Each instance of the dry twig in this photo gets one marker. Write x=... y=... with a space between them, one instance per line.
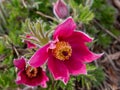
x=106 y=30
x=46 y=16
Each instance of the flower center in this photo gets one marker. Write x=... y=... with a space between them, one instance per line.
x=31 y=72
x=62 y=51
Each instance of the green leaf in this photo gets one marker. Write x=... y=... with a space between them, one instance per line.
x=104 y=40
x=85 y=15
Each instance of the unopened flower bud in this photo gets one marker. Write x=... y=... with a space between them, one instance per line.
x=60 y=9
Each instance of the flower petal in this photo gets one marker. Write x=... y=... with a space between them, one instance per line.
x=44 y=79
x=20 y=63
x=30 y=45
x=58 y=69
x=79 y=37
x=75 y=66
x=84 y=53
x=21 y=77
x=39 y=56
x=65 y=29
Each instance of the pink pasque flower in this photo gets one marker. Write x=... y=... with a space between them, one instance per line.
x=67 y=53
x=29 y=44
x=28 y=75
x=60 y=9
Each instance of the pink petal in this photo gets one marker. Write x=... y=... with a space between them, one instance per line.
x=65 y=29
x=58 y=69
x=20 y=63
x=84 y=53
x=79 y=37
x=75 y=66
x=21 y=77
x=53 y=43
x=39 y=57
x=44 y=79
x=30 y=45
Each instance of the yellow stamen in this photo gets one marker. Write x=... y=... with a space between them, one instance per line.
x=62 y=51
x=31 y=72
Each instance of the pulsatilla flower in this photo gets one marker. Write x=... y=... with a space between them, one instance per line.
x=28 y=75
x=67 y=53
x=30 y=45
x=60 y=9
